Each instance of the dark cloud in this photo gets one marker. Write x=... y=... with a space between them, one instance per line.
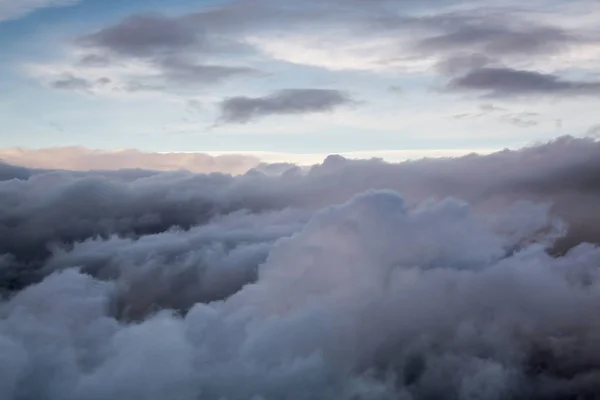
x=288 y=101
x=83 y=159
x=103 y=81
x=8 y=171
x=478 y=37
x=503 y=82
x=145 y=35
x=190 y=49
x=174 y=46
x=324 y=283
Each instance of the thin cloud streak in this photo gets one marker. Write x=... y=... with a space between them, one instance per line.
x=288 y=101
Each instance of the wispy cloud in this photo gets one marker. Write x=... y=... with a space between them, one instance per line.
x=499 y=82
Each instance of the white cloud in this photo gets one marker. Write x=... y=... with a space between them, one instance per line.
x=339 y=52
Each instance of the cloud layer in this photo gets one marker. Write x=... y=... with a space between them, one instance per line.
x=326 y=283
x=82 y=159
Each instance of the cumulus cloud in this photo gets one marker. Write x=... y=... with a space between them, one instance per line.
x=184 y=72
x=495 y=36
x=288 y=101
x=475 y=282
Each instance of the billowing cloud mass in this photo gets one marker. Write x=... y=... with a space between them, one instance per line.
x=288 y=101
x=466 y=278
x=82 y=159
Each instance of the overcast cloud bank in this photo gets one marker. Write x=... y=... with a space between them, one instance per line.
x=82 y=159
x=462 y=278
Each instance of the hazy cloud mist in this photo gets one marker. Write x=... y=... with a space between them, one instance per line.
x=465 y=278
x=82 y=159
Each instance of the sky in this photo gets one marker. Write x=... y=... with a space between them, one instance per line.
x=310 y=77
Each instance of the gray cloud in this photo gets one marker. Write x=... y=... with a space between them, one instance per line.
x=316 y=284
x=174 y=46
x=184 y=72
x=288 y=101
x=72 y=83
x=501 y=82
x=145 y=35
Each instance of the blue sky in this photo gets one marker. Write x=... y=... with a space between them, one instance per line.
x=298 y=77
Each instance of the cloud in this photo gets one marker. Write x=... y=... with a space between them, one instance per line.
x=148 y=52
x=594 y=130
x=497 y=38
x=186 y=73
x=503 y=82
x=13 y=9
x=145 y=35
x=368 y=299
x=521 y=120
x=82 y=159
x=396 y=89
x=288 y=101
x=460 y=64
x=324 y=283
x=94 y=60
